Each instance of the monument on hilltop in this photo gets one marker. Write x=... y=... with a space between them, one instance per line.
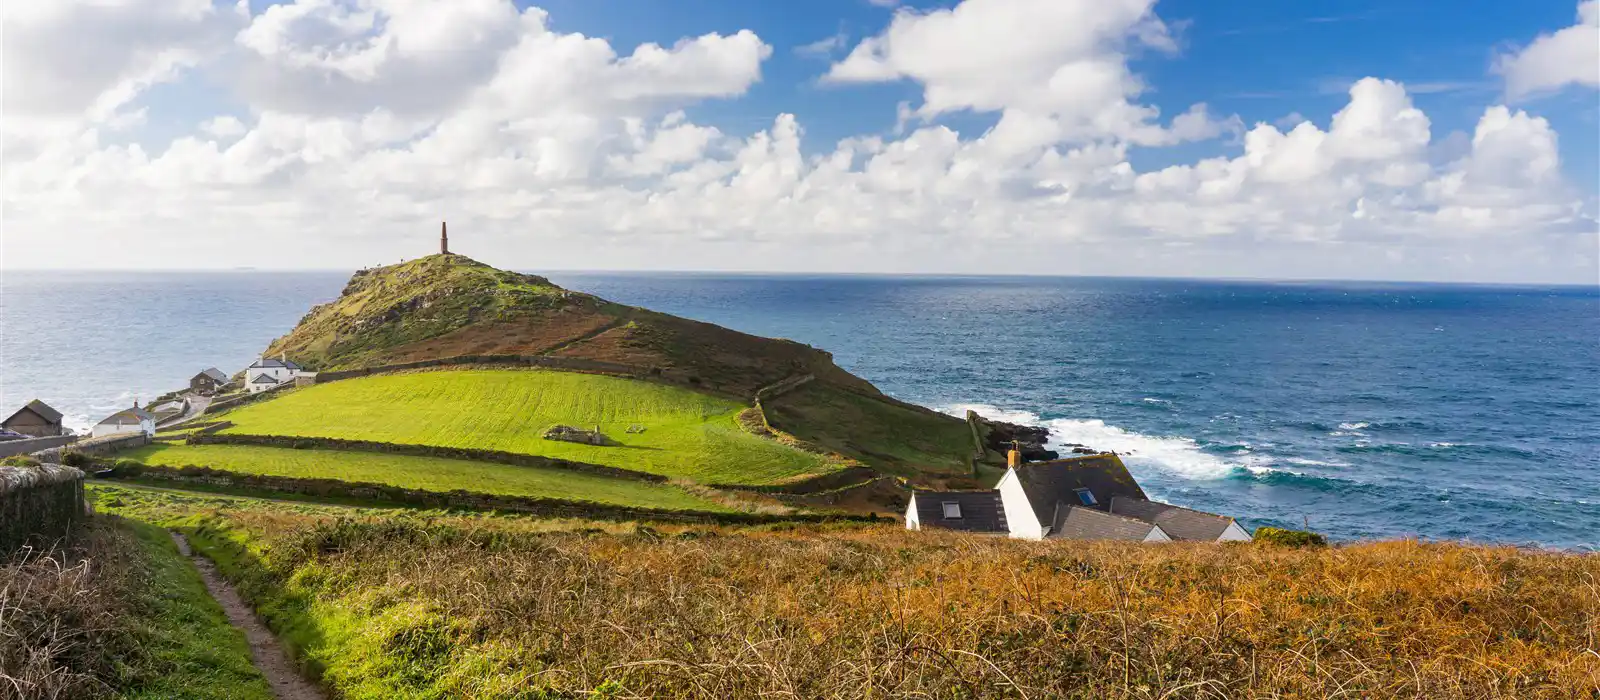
x=444 y=239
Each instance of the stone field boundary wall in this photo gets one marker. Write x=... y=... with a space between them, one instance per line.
x=462 y=453
x=31 y=445
x=465 y=500
x=39 y=505
x=570 y=364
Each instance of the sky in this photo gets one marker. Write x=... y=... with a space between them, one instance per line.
x=1420 y=140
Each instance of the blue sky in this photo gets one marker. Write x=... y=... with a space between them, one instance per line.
x=1249 y=62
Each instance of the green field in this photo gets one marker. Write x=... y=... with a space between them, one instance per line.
x=687 y=434
x=423 y=473
x=895 y=438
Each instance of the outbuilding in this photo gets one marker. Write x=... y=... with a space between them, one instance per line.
x=36 y=419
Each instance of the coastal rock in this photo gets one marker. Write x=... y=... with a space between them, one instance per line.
x=1030 y=439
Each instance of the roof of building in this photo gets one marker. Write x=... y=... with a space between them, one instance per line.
x=1056 y=481
x=215 y=374
x=39 y=408
x=128 y=416
x=273 y=363
x=264 y=379
x=1080 y=523
x=981 y=511
x=1181 y=523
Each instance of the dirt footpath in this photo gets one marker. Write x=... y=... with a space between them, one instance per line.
x=268 y=655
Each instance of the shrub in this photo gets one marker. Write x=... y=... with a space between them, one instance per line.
x=19 y=461
x=77 y=459
x=127 y=468
x=1289 y=538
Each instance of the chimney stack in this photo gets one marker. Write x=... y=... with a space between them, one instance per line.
x=1014 y=456
x=444 y=239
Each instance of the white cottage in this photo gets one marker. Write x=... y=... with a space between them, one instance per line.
x=125 y=422
x=269 y=372
x=1091 y=497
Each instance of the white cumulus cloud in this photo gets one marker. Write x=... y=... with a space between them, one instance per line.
x=1570 y=56
x=353 y=123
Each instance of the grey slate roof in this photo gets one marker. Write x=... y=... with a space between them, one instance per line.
x=42 y=409
x=263 y=379
x=1056 y=481
x=1181 y=523
x=980 y=510
x=273 y=362
x=1080 y=523
x=216 y=375
x=128 y=416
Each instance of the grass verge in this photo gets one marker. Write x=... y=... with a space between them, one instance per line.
x=686 y=434
x=423 y=473
x=119 y=613
x=415 y=607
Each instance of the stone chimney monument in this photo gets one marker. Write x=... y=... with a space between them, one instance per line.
x=444 y=239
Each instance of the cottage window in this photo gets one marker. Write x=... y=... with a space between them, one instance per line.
x=1086 y=496
x=952 y=511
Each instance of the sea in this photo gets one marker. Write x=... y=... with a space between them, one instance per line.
x=1361 y=410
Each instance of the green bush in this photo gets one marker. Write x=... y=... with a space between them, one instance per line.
x=127 y=468
x=1289 y=538
x=77 y=459
x=19 y=461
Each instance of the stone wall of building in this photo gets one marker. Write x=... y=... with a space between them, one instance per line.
x=39 y=505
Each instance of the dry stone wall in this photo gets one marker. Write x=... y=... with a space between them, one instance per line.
x=39 y=505
x=32 y=445
x=545 y=507
x=513 y=458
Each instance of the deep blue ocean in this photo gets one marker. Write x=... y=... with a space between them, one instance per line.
x=1364 y=410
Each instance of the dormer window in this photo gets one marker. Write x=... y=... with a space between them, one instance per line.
x=952 y=510
x=1086 y=496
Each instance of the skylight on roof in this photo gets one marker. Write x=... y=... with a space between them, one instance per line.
x=1086 y=496
x=952 y=510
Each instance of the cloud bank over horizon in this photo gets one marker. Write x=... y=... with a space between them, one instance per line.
x=337 y=133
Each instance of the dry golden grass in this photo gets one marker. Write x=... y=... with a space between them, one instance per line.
x=487 y=607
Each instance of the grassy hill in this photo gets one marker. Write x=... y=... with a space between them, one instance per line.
x=687 y=435
x=399 y=605
x=445 y=306
x=424 y=473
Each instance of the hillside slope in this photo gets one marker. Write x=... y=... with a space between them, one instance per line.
x=447 y=305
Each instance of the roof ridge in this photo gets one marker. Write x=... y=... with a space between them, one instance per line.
x=1173 y=506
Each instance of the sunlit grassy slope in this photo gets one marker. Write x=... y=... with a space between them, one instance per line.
x=877 y=611
x=423 y=473
x=687 y=434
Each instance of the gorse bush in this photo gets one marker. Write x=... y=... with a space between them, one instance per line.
x=1289 y=538
x=19 y=461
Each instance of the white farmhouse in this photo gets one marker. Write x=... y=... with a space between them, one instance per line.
x=270 y=372
x=126 y=421
x=1091 y=497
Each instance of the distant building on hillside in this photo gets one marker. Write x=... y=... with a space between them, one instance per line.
x=36 y=419
x=270 y=372
x=208 y=381
x=1092 y=497
x=126 y=421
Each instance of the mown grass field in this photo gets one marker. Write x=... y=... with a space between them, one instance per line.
x=422 y=606
x=687 y=435
x=118 y=614
x=423 y=473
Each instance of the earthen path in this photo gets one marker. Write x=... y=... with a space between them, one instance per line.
x=268 y=655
